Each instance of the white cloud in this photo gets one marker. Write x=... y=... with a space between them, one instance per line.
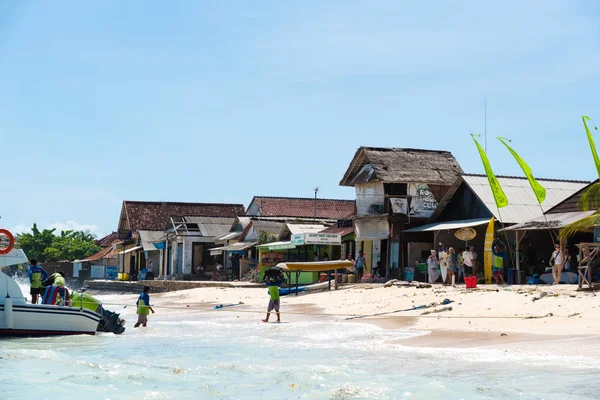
x=72 y=226
x=21 y=228
x=59 y=226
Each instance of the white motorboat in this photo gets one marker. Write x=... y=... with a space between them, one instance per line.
x=19 y=318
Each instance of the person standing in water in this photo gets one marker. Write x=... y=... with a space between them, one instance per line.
x=144 y=308
x=273 y=284
x=37 y=275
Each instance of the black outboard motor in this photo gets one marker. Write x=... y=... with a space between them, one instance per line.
x=110 y=322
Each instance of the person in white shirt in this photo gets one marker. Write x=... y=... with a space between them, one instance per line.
x=468 y=261
x=557 y=261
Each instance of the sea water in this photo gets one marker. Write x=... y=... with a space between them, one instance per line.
x=218 y=356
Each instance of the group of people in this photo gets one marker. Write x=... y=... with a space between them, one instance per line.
x=39 y=280
x=464 y=264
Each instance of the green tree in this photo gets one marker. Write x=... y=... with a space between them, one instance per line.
x=266 y=237
x=34 y=244
x=47 y=246
x=71 y=246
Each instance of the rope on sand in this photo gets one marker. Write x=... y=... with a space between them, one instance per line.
x=349 y=316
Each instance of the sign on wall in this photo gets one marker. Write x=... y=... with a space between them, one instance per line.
x=97 y=272
x=316 y=238
x=422 y=203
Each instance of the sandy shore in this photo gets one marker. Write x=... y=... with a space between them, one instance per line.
x=484 y=317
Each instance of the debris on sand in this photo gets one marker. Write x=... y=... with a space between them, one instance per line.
x=439 y=310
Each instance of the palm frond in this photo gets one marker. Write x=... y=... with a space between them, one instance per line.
x=584 y=224
x=590 y=198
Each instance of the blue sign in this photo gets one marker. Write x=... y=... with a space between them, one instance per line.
x=597 y=234
x=112 y=272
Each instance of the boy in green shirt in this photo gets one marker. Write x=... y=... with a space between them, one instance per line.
x=273 y=283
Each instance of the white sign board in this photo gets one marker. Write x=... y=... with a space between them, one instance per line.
x=317 y=238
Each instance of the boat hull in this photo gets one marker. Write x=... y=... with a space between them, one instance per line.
x=48 y=320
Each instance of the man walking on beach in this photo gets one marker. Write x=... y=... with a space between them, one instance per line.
x=37 y=275
x=273 y=283
x=144 y=308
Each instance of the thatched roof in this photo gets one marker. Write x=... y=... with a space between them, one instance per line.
x=393 y=165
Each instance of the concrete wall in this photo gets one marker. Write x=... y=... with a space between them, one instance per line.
x=369 y=198
x=187 y=254
x=252 y=210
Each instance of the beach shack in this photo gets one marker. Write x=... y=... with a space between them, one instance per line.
x=299 y=243
x=469 y=204
x=395 y=189
x=141 y=223
x=535 y=239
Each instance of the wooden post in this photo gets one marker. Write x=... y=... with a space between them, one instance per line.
x=579 y=266
x=335 y=283
x=517 y=242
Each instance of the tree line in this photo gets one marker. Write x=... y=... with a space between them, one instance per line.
x=47 y=245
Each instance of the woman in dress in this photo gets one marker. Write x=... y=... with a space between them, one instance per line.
x=432 y=264
x=453 y=261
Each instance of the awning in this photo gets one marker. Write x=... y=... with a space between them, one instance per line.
x=130 y=250
x=229 y=236
x=296 y=229
x=215 y=251
x=549 y=221
x=449 y=226
x=372 y=228
x=278 y=246
x=148 y=239
x=239 y=246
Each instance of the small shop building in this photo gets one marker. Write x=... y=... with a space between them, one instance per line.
x=469 y=204
x=395 y=189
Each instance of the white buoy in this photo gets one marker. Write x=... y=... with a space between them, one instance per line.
x=8 y=313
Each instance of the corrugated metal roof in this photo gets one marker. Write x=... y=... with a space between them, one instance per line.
x=211 y=226
x=148 y=239
x=522 y=204
x=549 y=221
x=302 y=228
x=442 y=226
x=229 y=236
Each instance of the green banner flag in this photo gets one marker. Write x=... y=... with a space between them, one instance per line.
x=539 y=191
x=592 y=145
x=499 y=196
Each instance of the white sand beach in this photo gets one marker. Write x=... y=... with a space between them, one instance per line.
x=486 y=316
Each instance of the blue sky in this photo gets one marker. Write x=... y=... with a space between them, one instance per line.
x=219 y=101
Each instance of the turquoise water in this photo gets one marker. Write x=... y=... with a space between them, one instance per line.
x=210 y=356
